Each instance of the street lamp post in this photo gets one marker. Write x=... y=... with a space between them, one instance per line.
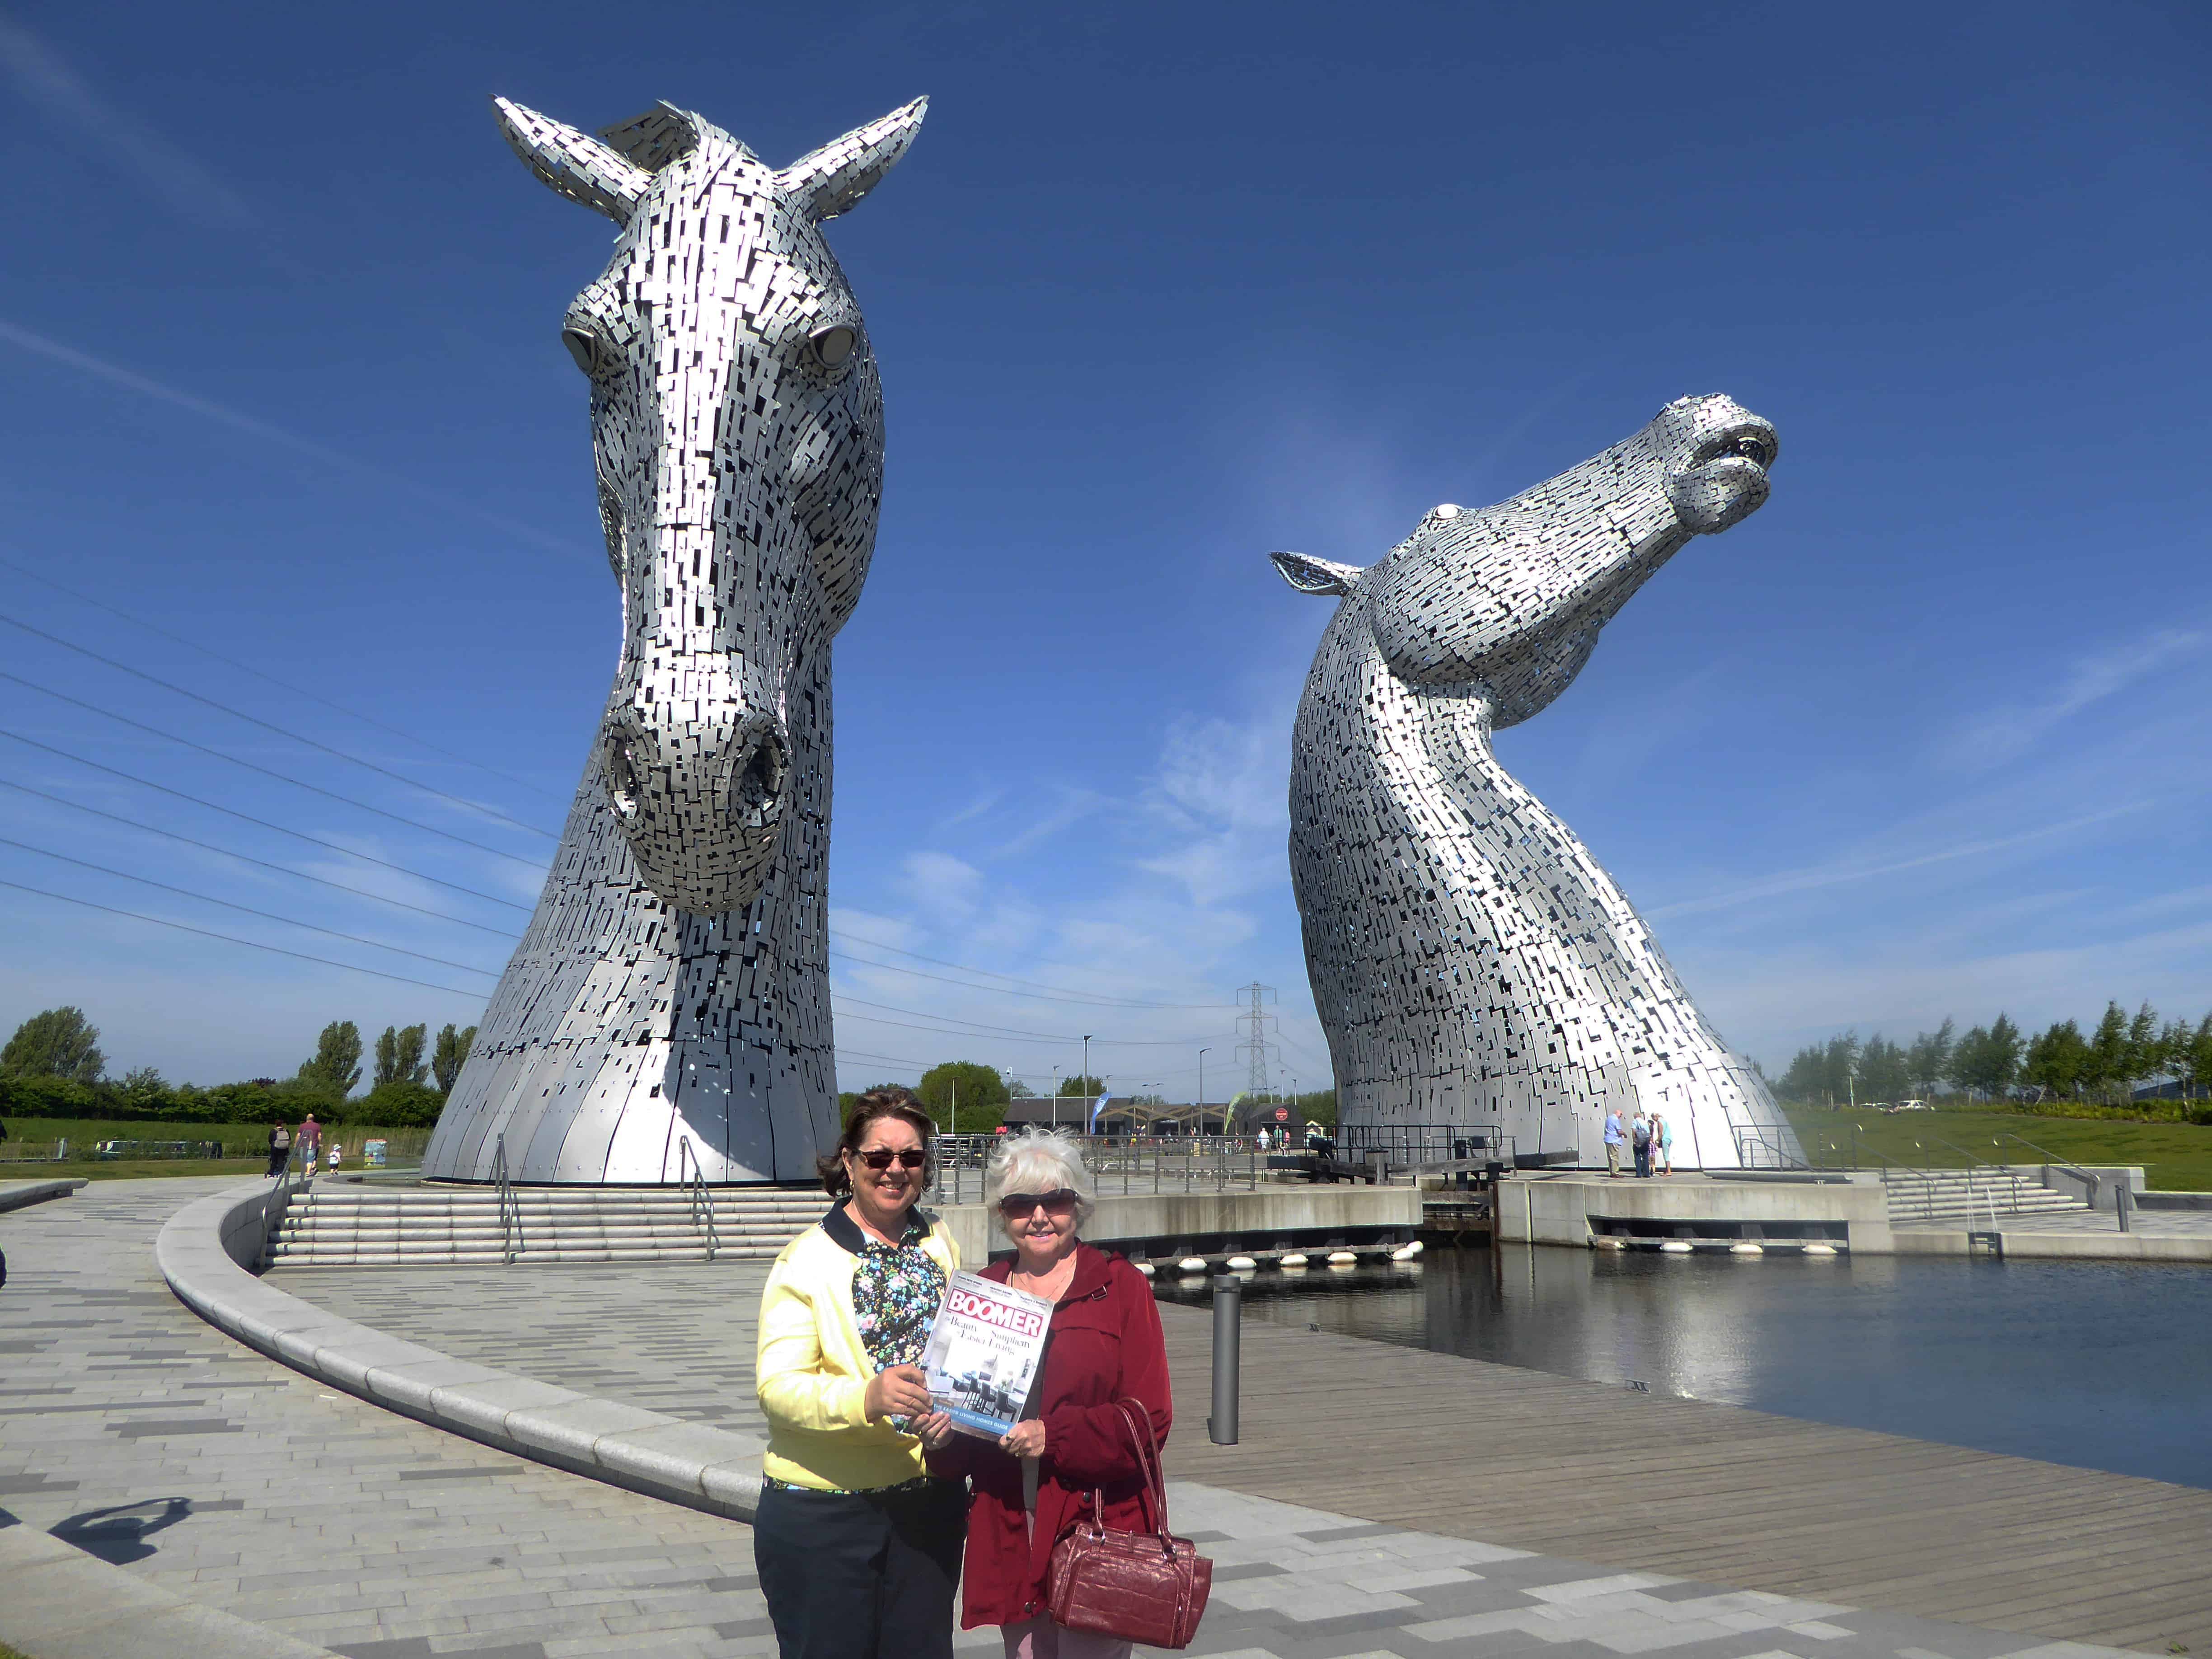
x=1200 y=1124
x=1086 y=1078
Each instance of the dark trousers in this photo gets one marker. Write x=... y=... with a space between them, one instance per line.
x=1643 y=1157
x=861 y=1575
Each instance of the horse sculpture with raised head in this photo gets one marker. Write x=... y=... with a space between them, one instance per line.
x=672 y=986
x=1471 y=962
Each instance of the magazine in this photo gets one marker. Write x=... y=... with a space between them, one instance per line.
x=983 y=1353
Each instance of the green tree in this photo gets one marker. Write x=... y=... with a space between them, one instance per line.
x=977 y=1089
x=1929 y=1058
x=145 y=1089
x=2146 y=1055
x=398 y=1104
x=2195 y=1061
x=59 y=1042
x=450 y=1055
x=1884 y=1072
x=336 y=1064
x=2055 y=1060
x=2107 y=1066
x=1987 y=1059
x=1084 y=1086
x=399 y=1055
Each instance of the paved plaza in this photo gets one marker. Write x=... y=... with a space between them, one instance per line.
x=133 y=1429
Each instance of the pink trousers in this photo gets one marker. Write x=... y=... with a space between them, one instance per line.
x=1040 y=1639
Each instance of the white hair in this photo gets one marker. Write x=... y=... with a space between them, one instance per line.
x=1040 y=1161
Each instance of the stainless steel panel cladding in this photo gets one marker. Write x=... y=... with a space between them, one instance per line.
x=673 y=983
x=1471 y=962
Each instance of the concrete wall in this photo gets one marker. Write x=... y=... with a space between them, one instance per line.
x=1285 y=1211
x=2110 y=1179
x=1558 y=1209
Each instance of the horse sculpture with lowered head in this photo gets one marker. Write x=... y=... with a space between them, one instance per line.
x=673 y=986
x=1471 y=962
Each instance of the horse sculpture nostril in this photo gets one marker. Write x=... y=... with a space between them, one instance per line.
x=760 y=782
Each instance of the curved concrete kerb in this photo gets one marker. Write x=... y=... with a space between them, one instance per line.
x=202 y=1252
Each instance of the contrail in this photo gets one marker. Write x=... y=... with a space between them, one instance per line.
x=130 y=381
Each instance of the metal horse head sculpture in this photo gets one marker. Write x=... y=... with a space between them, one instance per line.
x=1471 y=962
x=672 y=986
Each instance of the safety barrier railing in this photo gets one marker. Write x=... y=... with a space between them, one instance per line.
x=510 y=1207
x=278 y=1199
x=702 y=1199
x=1120 y=1164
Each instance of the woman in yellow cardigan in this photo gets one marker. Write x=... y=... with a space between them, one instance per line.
x=857 y=1545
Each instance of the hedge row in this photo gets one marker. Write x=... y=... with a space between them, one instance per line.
x=396 y=1105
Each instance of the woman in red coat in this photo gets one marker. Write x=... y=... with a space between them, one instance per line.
x=1105 y=1345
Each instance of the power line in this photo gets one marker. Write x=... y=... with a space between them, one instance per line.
x=846 y=954
x=244 y=909
x=991 y=973
x=252 y=944
x=996 y=1031
x=244 y=858
x=281 y=731
x=281 y=685
x=297 y=783
x=247 y=818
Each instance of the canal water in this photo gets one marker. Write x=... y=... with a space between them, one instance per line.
x=2105 y=1366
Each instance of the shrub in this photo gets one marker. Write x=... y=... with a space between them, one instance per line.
x=398 y=1104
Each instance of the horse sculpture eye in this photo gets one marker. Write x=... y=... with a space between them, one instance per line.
x=833 y=344
x=1753 y=449
x=584 y=346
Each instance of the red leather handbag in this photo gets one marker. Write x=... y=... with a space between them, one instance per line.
x=1143 y=1587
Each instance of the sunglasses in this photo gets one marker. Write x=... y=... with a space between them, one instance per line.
x=882 y=1158
x=1016 y=1206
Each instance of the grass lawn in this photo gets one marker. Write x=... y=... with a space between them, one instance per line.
x=245 y=1148
x=2175 y=1157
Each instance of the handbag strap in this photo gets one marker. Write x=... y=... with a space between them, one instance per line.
x=1138 y=1422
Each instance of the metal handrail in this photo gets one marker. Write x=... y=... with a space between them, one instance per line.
x=277 y=1200
x=702 y=1200
x=2096 y=1184
x=510 y=1207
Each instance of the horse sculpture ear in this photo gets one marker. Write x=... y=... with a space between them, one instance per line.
x=833 y=179
x=1317 y=576
x=574 y=164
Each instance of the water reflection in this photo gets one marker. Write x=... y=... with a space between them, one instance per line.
x=2098 y=1364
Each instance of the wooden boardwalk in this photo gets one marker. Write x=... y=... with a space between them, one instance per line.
x=1470 y=1450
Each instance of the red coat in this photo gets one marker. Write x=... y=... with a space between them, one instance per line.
x=1105 y=1345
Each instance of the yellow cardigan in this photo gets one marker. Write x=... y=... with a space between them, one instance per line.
x=811 y=1371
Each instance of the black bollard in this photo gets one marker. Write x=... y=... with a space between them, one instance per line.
x=1228 y=1335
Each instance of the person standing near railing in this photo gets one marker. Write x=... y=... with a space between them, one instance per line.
x=280 y=1149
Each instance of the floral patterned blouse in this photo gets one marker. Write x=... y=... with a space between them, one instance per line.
x=896 y=1291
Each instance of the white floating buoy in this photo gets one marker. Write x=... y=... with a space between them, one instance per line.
x=1242 y=1264
x=1677 y=1247
x=1608 y=1242
x=1747 y=1250
x=1406 y=1253
x=1145 y=1269
x=1295 y=1259
x=1819 y=1249
x=1341 y=1258
x=1192 y=1264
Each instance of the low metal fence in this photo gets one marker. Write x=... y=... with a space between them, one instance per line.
x=1120 y=1165
x=1404 y=1146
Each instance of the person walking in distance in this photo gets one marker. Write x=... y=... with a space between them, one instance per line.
x=1639 y=1134
x=311 y=1142
x=1662 y=1145
x=280 y=1148
x=1614 y=1135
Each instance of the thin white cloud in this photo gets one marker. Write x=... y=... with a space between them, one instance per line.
x=82 y=120
x=2001 y=735
x=1834 y=875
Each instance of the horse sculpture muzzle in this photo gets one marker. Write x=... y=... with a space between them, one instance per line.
x=699 y=790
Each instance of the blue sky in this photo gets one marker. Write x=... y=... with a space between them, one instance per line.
x=1158 y=290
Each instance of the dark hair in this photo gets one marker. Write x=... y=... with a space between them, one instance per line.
x=889 y=1101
